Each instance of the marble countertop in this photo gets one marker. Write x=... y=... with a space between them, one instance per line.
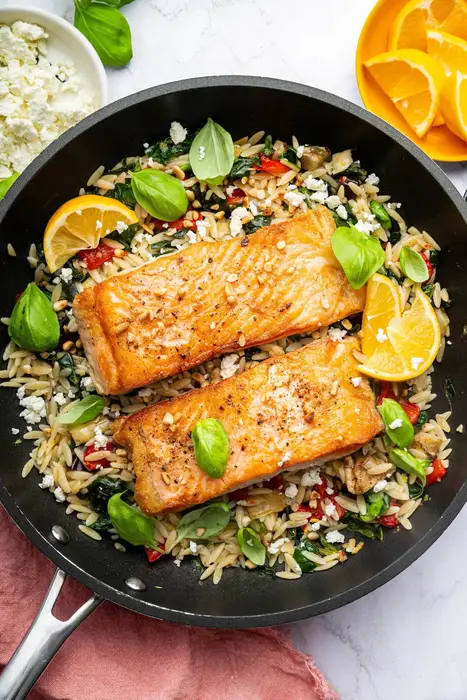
x=405 y=640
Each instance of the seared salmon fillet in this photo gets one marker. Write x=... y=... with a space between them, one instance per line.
x=184 y=309
x=284 y=413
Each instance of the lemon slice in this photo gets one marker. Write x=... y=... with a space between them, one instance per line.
x=80 y=223
x=453 y=102
x=413 y=81
x=407 y=345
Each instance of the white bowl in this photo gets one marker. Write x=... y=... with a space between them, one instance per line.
x=67 y=42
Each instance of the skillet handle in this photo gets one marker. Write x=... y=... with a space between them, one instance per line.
x=43 y=639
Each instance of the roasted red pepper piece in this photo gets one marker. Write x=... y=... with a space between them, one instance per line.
x=95 y=257
x=271 y=166
x=102 y=463
x=387 y=520
x=439 y=471
x=428 y=264
x=153 y=555
x=236 y=197
x=239 y=495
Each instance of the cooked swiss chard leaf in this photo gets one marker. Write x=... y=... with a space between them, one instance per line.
x=416 y=490
x=290 y=154
x=423 y=418
x=355 y=172
x=162 y=248
x=101 y=490
x=268 y=149
x=66 y=361
x=242 y=166
x=164 y=150
x=102 y=524
x=124 y=193
x=369 y=530
x=126 y=237
x=256 y=223
x=304 y=547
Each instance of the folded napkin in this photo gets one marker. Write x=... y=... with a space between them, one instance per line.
x=116 y=654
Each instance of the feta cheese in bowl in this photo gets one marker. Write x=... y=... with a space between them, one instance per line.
x=50 y=78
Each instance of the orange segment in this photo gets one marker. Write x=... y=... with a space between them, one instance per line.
x=448 y=50
x=408 y=344
x=409 y=30
x=454 y=104
x=80 y=223
x=412 y=80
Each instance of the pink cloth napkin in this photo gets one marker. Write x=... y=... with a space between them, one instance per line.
x=116 y=654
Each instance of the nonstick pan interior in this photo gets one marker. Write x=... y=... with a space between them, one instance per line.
x=242 y=105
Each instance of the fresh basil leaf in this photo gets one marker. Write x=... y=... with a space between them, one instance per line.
x=211 y=446
x=66 y=361
x=413 y=265
x=204 y=523
x=397 y=423
x=380 y=213
x=251 y=546
x=101 y=490
x=33 y=323
x=131 y=525
x=301 y=554
x=116 y=3
x=242 y=167
x=107 y=30
x=376 y=504
x=84 y=411
x=410 y=464
x=268 y=149
x=371 y=531
x=359 y=254
x=7 y=183
x=212 y=153
x=256 y=223
x=162 y=195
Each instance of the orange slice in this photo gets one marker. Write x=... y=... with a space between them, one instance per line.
x=413 y=81
x=448 y=50
x=80 y=223
x=453 y=101
x=407 y=345
x=409 y=30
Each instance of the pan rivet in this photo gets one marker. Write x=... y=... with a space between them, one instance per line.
x=60 y=534
x=135 y=583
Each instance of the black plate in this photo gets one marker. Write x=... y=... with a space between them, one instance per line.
x=242 y=105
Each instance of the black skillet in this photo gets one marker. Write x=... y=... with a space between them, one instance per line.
x=242 y=105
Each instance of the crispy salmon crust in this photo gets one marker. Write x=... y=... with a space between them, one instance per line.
x=213 y=297
x=284 y=413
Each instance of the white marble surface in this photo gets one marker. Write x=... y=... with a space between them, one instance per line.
x=407 y=640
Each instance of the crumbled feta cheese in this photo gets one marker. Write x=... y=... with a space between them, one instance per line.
x=331 y=511
x=459 y=429
x=236 y=220
x=177 y=562
x=59 y=495
x=100 y=440
x=145 y=392
x=87 y=383
x=230 y=190
x=372 y=179
x=202 y=153
x=294 y=198
x=341 y=211
x=334 y=536
x=284 y=459
x=396 y=423
x=311 y=477
x=47 y=482
x=316 y=185
x=66 y=274
x=381 y=335
x=416 y=362
x=20 y=392
x=333 y=201
x=15 y=431
x=121 y=226
x=177 y=133
x=253 y=208
x=145 y=145
x=193 y=547
x=34 y=409
x=356 y=381
x=191 y=235
x=336 y=334
x=291 y=491
x=315 y=527
x=319 y=197
x=364 y=227
x=229 y=365
x=275 y=546
x=39 y=97
x=380 y=485
x=98 y=225
x=202 y=226
x=60 y=398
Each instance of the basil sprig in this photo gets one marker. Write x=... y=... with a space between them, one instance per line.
x=33 y=323
x=106 y=29
x=410 y=464
x=376 y=504
x=203 y=523
x=251 y=546
x=84 y=411
x=7 y=183
x=162 y=195
x=131 y=525
x=413 y=265
x=401 y=435
x=212 y=153
x=211 y=446
x=359 y=254
x=381 y=215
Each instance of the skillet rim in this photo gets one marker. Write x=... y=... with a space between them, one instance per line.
x=134 y=603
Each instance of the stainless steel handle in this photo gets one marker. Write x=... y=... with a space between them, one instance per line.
x=42 y=641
